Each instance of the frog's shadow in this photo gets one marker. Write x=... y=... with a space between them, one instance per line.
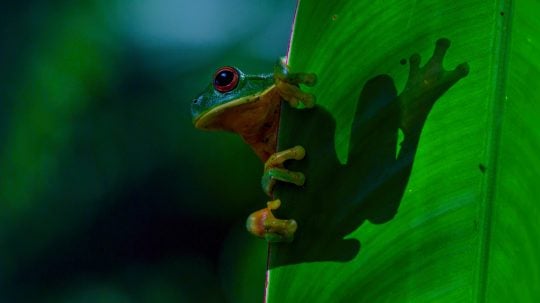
x=337 y=205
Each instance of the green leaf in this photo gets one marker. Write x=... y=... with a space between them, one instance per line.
x=446 y=210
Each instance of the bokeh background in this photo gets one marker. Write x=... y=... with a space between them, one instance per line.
x=107 y=192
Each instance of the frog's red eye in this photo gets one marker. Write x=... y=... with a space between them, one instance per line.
x=226 y=79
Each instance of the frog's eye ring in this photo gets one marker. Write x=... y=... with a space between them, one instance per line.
x=226 y=79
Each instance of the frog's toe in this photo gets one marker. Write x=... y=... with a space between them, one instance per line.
x=309 y=79
x=309 y=100
x=274 y=174
x=293 y=101
x=294 y=95
x=284 y=232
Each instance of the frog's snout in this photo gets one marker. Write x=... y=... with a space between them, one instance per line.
x=196 y=102
x=196 y=108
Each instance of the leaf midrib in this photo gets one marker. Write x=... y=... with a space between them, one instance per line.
x=500 y=46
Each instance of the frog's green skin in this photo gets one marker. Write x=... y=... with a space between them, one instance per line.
x=251 y=109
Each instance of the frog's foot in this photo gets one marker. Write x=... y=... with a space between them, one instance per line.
x=287 y=85
x=275 y=171
x=426 y=84
x=263 y=224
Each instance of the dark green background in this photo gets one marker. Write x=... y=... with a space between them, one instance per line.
x=107 y=193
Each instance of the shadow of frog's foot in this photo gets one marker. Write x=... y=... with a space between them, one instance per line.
x=425 y=85
x=263 y=224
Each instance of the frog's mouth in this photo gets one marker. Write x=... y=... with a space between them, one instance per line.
x=231 y=115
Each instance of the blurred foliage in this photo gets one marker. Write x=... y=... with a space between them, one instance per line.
x=107 y=193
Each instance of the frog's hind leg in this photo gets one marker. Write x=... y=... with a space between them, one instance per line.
x=287 y=84
x=263 y=224
x=274 y=169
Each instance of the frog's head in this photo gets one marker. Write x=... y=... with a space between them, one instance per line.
x=229 y=89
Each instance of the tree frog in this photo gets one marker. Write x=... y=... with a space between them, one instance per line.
x=249 y=105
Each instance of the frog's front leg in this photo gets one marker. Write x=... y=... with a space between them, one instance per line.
x=287 y=85
x=274 y=169
x=263 y=224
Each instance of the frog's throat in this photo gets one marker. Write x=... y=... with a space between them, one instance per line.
x=205 y=119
